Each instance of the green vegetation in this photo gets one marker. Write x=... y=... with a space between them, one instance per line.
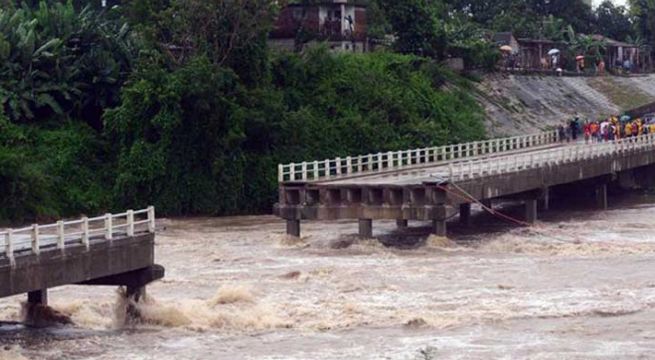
x=181 y=104
x=198 y=130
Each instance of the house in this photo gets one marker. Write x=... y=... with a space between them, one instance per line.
x=340 y=23
x=533 y=53
x=506 y=39
x=617 y=52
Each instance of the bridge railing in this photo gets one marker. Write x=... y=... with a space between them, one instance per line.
x=393 y=160
x=35 y=238
x=462 y=171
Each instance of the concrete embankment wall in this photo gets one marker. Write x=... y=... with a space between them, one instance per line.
x=518 y=104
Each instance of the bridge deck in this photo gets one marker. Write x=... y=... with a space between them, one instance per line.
x=113 y=249
x=432 y=188
x=419 y=174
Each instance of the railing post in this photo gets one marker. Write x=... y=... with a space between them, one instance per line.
x=130 y=222
x=151 y=219
x=9 y=246
x=349 y=165
x=304 y=171
x=85 y=232
x=61 y=237
x=35 y=239
x=109 y=227
x=328 y=172
x=316 y=173
x=338 y=165
x=280 y=173
x=292 y=172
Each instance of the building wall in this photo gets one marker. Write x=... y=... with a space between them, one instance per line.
x=327 y=21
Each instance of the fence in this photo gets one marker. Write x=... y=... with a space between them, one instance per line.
x=480 y=168
x=394 y=160
x=61 y=234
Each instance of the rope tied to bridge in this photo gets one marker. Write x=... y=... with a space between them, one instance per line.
x=466 y=196
x=470 y=198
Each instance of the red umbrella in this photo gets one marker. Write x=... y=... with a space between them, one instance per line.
x=579 y=57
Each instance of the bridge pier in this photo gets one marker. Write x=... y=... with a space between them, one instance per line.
x=465 y=214
x=366 y=228
x=439 y=227
x=39 y=297
x=601 y=196
x=293 y=228
x=531 y=211
x=402 y=224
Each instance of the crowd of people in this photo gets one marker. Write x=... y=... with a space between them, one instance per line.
x=609 y=129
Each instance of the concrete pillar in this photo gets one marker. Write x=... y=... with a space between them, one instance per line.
x=366 y=228
x=531 y=211
x=402 y=224
x=38 y=297
x=601 y=196
x=293 y=228
x=465 y=214
x=439 y=227
x=134 y=295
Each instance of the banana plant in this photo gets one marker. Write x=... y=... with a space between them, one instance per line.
x=56 y=60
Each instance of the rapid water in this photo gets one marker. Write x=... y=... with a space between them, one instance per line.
x=578 y=285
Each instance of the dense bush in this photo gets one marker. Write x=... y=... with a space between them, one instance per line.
x=88 y=124
x=198 y=129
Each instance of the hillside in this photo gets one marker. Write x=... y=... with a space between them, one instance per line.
x=521 y=104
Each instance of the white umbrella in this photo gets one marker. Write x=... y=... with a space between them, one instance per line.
x=553 y=51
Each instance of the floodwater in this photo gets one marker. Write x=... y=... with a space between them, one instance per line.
x=579 y=285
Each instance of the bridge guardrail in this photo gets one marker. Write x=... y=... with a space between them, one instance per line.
x=483 y=167
x=392 y=160
x=74 y=232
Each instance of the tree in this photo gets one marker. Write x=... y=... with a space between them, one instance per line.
x=418 y=26
x=643 y=12
x=55 y=60
x=613 y=21
x=227 y=32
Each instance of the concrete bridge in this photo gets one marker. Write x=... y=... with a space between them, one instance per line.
x=435 y=184
x=113 y=249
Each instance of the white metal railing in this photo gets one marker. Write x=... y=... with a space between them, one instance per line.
x=580 y=152
x=61 y=234
x=352 y=165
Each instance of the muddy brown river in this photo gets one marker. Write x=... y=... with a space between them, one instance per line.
x=578 y=285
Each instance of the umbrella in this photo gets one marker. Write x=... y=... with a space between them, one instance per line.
x=553 y=51
x=579 y=57
x=506 y=48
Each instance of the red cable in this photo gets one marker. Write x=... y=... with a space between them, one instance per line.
x=469 y=197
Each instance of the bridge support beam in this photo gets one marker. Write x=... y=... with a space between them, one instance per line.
x=531 y=211
x=366 y=228
x=38 y=297
x=465 y=214
x=439 y=227
x=293 y=228
x=402 y=224
x=601 y=196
